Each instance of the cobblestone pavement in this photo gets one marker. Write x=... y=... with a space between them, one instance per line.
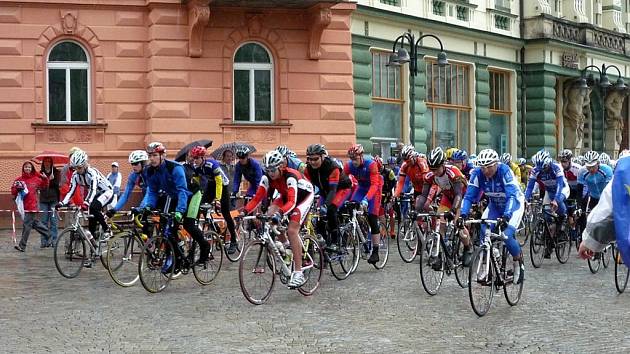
x=564 y=309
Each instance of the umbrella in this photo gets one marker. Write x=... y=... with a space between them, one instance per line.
x=218 y=153
x=181 y=154
x=58 y=158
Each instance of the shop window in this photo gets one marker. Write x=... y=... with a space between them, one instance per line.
x=500 y=111
x=387 y=102
x=253 y=84
x=68 y=79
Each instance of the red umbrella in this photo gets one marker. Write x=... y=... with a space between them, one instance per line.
x=58 y=158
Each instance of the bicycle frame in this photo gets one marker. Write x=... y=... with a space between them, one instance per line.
x=491 y=241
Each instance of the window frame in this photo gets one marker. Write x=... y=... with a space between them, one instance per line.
x=68 y=66
x=398 y=86
x=252 y=67
x=507 y=112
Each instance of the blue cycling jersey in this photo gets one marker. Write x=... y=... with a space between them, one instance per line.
x=552 y=178
x=595 y=182
x=621 y=207
x=134 y=179
x=361 y=173
x=168 y=178
x=502 y=190
x=252 y=172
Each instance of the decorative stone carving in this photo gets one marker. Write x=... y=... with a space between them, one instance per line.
x=320 y=19
x=573 y=114
x=614 y=120
x=198 y=17
x=256 y=135
x=254 y=24
x=68 y=21
x=62 y=136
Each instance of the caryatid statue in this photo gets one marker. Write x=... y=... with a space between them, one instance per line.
x=575 y=100
x=614 y=119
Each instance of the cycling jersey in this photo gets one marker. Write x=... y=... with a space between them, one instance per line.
x=212 y=175
x=169 y=178
x=555 y=183
x=621 y=206
x=525 y=171
x=415 y=171
x=571 y=174
x=134 y=179
x=451 y=183
x=389 y=181
x=252 y=172
x=367 y=176
x=595 y=182
x=517 y=172
x=467 y=168
x=93 y=180
x=296 y=164
x=328 y=178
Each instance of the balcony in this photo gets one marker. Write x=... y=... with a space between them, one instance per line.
x=296 y=4
x=549 y=27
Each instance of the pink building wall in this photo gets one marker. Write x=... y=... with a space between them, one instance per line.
x=162 y=70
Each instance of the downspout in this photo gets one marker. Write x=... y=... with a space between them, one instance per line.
x=523 y=84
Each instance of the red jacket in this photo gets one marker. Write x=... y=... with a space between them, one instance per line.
x=33 y=181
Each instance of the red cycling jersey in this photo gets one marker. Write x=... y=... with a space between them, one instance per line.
x=446 y=182
x=416 y=171
x=291 y=186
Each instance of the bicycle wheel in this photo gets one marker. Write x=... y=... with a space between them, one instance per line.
x=563 y=247
x=522 y=233
x=256 y=272
x=70 y=253
x=205 y=274
x=431 y=268
x=312 y=265
x=538 y=245
x=383 y=251
x=460 y=270
x=481 y=282
x=595 y=263
x=342 y=263
x=156 y=264
x=621 y=272
x=606 y=257
x=511 y=290
x=407 y=241
x=122 y=256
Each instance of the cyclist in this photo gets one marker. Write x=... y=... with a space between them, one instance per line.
x=99 y=192
x=594 y=176
x=290 y=159
x=525 y=170
x=389 y=183
x=604 y=159
x=392 y=165
x=368 y=191
x=334 y=188
x=506 y=202
x=449 y=153
x=415 y=167
x=459 y=159
x=167 y=177
x=138 y=177
x=214 y=185
x=506 y=159
x=248 y=168
x=452 y=183
x=571 y=171
x=294 y=200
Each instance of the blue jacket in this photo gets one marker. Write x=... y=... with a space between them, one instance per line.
x=252 y=172
x=621 y=207
x=169 y=178
x=503 y=191
x=553 y=178
x=595 y=182
x=134 y=178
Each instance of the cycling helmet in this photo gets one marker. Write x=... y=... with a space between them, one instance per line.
x=436 y=157
x=506 y=158
x=565 y=155
x=156 y=147
x=316 y=149
x=591 y=158
x=138 y=156
x=198 y=151
x=283 y=150
x=487 y=157
x=73 y=150
x=459 y=155
x=79 y=158
x=543 y=162
x=355 y=150
x=242 y=151
x=449 y=152
x=406 y=152
x=581 y=160
x=623 y=153
x=521 y=161
x=272 y=160
x=539 y=158
x=379 y=162
x=604 y=159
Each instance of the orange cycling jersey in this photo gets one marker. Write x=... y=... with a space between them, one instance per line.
x=416 y=171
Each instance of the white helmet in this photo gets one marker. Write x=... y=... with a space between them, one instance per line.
x=272 y=160
x=506 y=158
x=604 y=159
x=406 y=152
x=591 y=158
x=79 y=158
x=487 y=157
x=138 y=156
x=541 y=159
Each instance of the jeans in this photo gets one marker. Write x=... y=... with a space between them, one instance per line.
x=49 y=219
x=32 y=222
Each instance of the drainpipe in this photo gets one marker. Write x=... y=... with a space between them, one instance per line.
x=523 y=84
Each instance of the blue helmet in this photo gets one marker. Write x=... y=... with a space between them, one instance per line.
x=391 y=160
x=459 y=155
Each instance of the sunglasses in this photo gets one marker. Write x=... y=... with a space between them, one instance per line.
x=136 y=163
x=315 y=158
x=271 y=170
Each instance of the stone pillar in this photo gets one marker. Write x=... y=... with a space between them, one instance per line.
x=541 y=107
x=421 y=119
x=613 y=104
x=362 y=74
x=482 y=101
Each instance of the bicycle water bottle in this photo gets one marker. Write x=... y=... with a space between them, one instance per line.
x=289 y=256
x=89 y=237
x=496 y=253
x=281 y=248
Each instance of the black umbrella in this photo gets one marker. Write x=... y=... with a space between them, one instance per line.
x=218 y=153
x=181 y=154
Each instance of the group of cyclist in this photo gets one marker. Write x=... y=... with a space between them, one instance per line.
x=289 y=186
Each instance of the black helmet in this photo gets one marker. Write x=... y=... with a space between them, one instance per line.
x=316 y=149
x=436 y=157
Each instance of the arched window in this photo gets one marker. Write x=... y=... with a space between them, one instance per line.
x=253 y=84
x=68 y=78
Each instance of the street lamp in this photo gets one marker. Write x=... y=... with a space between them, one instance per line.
x=401 y=56
x=604 y=84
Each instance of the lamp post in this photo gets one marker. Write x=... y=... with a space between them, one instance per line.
x=400 y=56
x=604 y=84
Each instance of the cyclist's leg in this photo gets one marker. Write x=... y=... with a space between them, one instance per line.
x=296 y=219
x=341 y=197
x=96 y=210
x=511 y=243
x=225 y=210
x=374 y=205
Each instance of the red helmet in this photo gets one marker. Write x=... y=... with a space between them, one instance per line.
x=198 y=151
x=355 y=150
x=379 y=162
x=156 y=147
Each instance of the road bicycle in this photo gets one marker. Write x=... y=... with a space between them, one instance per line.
x=124 y=249
x=409 y=234
x=543 y=242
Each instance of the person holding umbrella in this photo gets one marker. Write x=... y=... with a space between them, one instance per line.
x=48 y=198
x=24 y=190
x=248 y=168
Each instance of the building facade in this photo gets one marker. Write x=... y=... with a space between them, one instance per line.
x=507 y=60
x=111 y=76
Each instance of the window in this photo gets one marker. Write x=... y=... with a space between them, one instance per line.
x=253 y=84
x=462 y=13
x=438 y=8
x=500 y=111
x=387 y=103
x=391 y=2
x=502 y=22
x=68 y=81
x=448 y=105
x=503 y=5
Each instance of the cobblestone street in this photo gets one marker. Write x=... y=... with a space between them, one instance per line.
x=564 y=309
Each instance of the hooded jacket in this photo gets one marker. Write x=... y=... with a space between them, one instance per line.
x=51 y=193
x=33 y=181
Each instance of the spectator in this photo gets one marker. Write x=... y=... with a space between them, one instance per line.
x=24 y=190
x=48 y=198
x=115 y=179
x=227 y=165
